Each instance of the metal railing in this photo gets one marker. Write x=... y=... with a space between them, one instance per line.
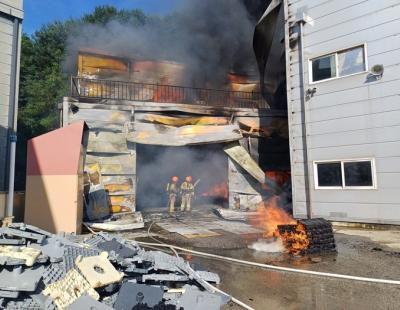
x=121 y=90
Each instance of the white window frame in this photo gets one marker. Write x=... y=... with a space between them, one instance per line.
x=342 y=162
x=336 y=52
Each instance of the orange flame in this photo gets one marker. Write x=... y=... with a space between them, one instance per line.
x=218 y=190
x=296 y=241
x=270 y=216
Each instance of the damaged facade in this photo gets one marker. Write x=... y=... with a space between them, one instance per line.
x=142 y=132
x=336 y=80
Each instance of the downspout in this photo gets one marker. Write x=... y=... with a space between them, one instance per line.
x=304 y=119
x=13 y=103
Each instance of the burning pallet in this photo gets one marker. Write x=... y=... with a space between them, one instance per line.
x=313 y=236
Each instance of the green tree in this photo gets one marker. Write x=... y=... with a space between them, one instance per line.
x=42 y=80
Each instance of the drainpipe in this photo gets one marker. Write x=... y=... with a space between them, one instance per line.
x=13 y=103
x=300 y=23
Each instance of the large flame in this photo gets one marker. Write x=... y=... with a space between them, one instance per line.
x=296 y=241
x=269 y=216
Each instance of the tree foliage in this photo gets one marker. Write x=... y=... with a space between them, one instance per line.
x=42 y=80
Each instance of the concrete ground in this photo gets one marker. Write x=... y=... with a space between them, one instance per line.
x=361 y=252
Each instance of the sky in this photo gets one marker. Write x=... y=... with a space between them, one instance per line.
x=40 y=12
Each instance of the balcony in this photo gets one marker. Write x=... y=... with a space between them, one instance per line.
x=98 y=89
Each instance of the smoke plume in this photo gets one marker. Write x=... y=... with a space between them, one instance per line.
x=211 y=37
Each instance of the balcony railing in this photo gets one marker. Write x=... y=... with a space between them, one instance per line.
x=85 y=88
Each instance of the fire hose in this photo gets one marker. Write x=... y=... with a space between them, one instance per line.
x=174 y=249
x=278 y=268
x=204 y=283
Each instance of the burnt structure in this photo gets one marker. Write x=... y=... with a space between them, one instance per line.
x=144 y=127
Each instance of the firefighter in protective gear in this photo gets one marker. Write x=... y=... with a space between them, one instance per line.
x=172 y=190
x=187 y=194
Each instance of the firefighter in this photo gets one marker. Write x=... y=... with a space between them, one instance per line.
x=172 y=190
x=187 y=193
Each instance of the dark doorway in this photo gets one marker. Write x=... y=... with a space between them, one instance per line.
x=157 y=164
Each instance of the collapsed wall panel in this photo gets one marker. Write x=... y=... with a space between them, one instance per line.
x=109 y=152
x=119 y=128
x=244 y=190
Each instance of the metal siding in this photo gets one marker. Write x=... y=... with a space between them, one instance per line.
x=6 y=28
x=10 y=8
x=350 y=117
x=17 y=4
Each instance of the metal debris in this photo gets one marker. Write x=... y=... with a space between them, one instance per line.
x=105 y=271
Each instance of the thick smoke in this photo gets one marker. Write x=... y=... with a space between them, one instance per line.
x=211 y=37
x=157 y=164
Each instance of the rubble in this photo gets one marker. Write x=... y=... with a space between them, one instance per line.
x=46 y=271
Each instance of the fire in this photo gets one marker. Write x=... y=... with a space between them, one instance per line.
x=296 y=241
x=218 y=190
x=270 y=216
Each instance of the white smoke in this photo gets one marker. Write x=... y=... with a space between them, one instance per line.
x=269 y=246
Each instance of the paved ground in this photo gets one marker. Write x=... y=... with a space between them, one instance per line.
x=367 y=253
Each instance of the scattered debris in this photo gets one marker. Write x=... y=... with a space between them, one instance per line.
x=104 y=271
x=27 y=255
x=234 y=215
x=97 y=207
x=115 y=223
x=132 y=294
x=98 y=270
x=65 y=291
x=87 y=302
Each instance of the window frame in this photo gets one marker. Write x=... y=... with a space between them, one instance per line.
x=342 y=162
x=335 y=53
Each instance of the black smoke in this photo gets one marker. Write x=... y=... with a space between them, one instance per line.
x=211 y=37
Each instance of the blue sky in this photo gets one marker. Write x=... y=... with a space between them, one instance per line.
x=39 y=12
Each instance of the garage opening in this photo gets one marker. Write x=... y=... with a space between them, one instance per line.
x=207 y=164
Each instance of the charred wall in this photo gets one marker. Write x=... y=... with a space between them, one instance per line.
x=263 y=134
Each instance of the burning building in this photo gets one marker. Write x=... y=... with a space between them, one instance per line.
x=204 y=100
x=145 y=128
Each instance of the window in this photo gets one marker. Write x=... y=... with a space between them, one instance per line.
x=324 y=68
x=329 y=174
x=357 y=173
x=338 y=64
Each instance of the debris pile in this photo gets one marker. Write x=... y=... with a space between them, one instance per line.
x=41 y=270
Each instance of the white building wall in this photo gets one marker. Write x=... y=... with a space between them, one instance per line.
x=349 y=117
